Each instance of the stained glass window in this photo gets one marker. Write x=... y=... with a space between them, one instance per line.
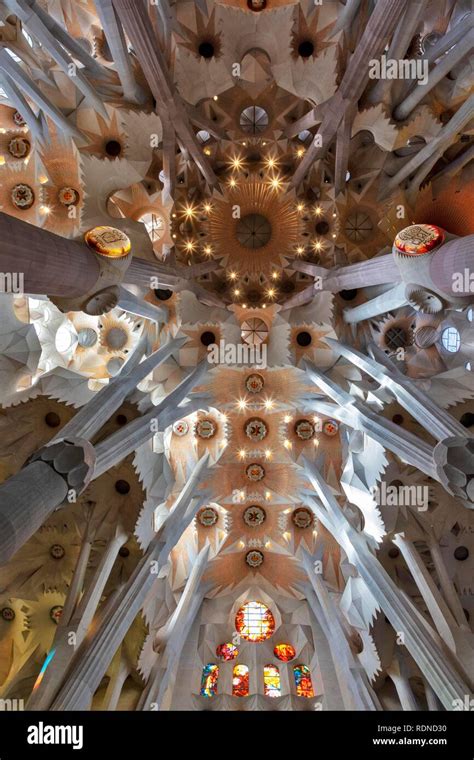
x=284 y=652
x=254 y=621
x=304 y=685
x=240 y=681
x=210 y=674
x=227 y=651
x=271 y=681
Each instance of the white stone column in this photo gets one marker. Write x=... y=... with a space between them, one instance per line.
x=398 y=673
x=170 y=640
x=438 y=665
x=356 y=691
x=88 y=671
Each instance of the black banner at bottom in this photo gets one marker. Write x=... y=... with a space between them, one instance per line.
x=85 y=734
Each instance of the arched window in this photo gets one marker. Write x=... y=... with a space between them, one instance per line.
x=253 y=120
x=271 y=681
x=240 y=681
x=254 y=621
x=304 y=685
x=210 y=674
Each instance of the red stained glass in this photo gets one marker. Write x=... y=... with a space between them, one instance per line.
x=304 y=685
x=240 y=681
x=227 y=651
x=254 y=622
x=284 y=652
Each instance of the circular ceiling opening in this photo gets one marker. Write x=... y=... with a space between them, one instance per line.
x=305 y=49
x=208 y=338
x=163 y=294
x=322 y=228
x=113 y=148
x=52 y=419
x=303 y=339
x=348 y=295
x=253 y=231
x=206 y=49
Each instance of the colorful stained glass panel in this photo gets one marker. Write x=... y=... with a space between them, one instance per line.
x=240 y=681
x=210 y=674
x=304 y=685
x=227 y=651
x=254 y=622
x=271 y=681
x=284 y=652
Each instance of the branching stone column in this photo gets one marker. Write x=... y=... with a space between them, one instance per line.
x=49 y=41
x=439 y=667
x=445 y=65
x=380 y=27
x=435 y=148
x=74 y=624
x=170 y=640
x=120 y=444
x=118 y=47
x=121 y=671
x=398 y=672
x=356 y=691
x=381 y=270
x=450 y=462
x=28 y=8
x=69 y=461
x=93 y=660
x=137 y=24
x=32 y=91
x=438 y=421
x=93 y=415
x=399 y=45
